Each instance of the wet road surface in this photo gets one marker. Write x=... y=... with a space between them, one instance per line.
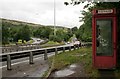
x=26 y=70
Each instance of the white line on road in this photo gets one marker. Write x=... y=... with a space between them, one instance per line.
x=19 y=62
x=25 y=61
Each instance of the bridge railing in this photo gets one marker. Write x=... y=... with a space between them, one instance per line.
x=21 y=47
x=30 y=53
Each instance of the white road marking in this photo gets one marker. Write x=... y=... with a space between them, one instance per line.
x=25 y=61
x=19 y=62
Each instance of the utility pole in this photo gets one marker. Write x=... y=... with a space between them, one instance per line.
x=54 y=18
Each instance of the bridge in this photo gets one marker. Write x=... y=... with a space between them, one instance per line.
x=21 y=47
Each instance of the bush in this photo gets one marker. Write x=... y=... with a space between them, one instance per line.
x=55 y=38
x=19 y=41
x=30 y=41
x=24 y=42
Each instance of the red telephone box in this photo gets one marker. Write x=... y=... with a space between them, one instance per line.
x=104 y=38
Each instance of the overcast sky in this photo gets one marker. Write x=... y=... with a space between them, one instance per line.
x=41 y=12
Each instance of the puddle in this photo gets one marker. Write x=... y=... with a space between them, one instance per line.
x=63 y=73
x=74 y=70
x=73 y=66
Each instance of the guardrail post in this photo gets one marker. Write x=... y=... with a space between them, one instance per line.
x=8 y=62
x=10 y=49
x=63 y=49
x=78 y=46
x=17 y=48
x=39 y=47
x=83 y=45
x=74 y=47
x=45 y=55
x=22 y=48
x=69 y=48
x=31 y=58
x=56 y=52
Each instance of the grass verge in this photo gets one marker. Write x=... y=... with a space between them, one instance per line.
x=82 y=55
x=51 y=44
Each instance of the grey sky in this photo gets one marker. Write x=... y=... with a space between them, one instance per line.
x=41 y=12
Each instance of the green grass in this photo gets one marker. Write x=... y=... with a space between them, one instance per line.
x=66 y=58
x=51 y=44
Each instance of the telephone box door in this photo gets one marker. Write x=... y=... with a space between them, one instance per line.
x=105 y=57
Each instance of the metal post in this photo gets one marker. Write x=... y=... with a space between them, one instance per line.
x=17 y=48
x=81 y=45
x=63 y=49
x=69 y=48
x=56 y=52
x=45 y=55
x=8 y=62
x=78 y=46
x=54 y=18
x=74 y=47
x=10 y=49
x=22 y=48
x=31 y=58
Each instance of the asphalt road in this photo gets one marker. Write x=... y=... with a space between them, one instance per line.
x=25 y=59
x=22 y=68
x=37 y=40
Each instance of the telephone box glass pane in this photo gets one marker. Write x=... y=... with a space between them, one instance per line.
x=104 y=37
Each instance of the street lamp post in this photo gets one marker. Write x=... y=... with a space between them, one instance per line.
x=54 y=18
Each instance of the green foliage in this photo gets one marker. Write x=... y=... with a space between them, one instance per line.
x=30 y=41
x=52 y=42
x=19 y=41
x=13 y=30
x=42 y=32
x=83 y=56
x=54 y=38
x=74 y=29
x=73 y=37
x=61 y=35
x=5 y=35
x=24 y=33
x=24 y=42
x=85 y=31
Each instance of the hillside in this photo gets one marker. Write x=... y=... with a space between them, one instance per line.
x=20 y=23
x=13 y=31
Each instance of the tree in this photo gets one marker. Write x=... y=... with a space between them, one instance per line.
x=13 y=31
x=24 y=34
x=85 y=30
x=61 y=35
x=46 y=32
x=5 y=33
x=54 y=38
x=43 y=32
x=74 y=29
